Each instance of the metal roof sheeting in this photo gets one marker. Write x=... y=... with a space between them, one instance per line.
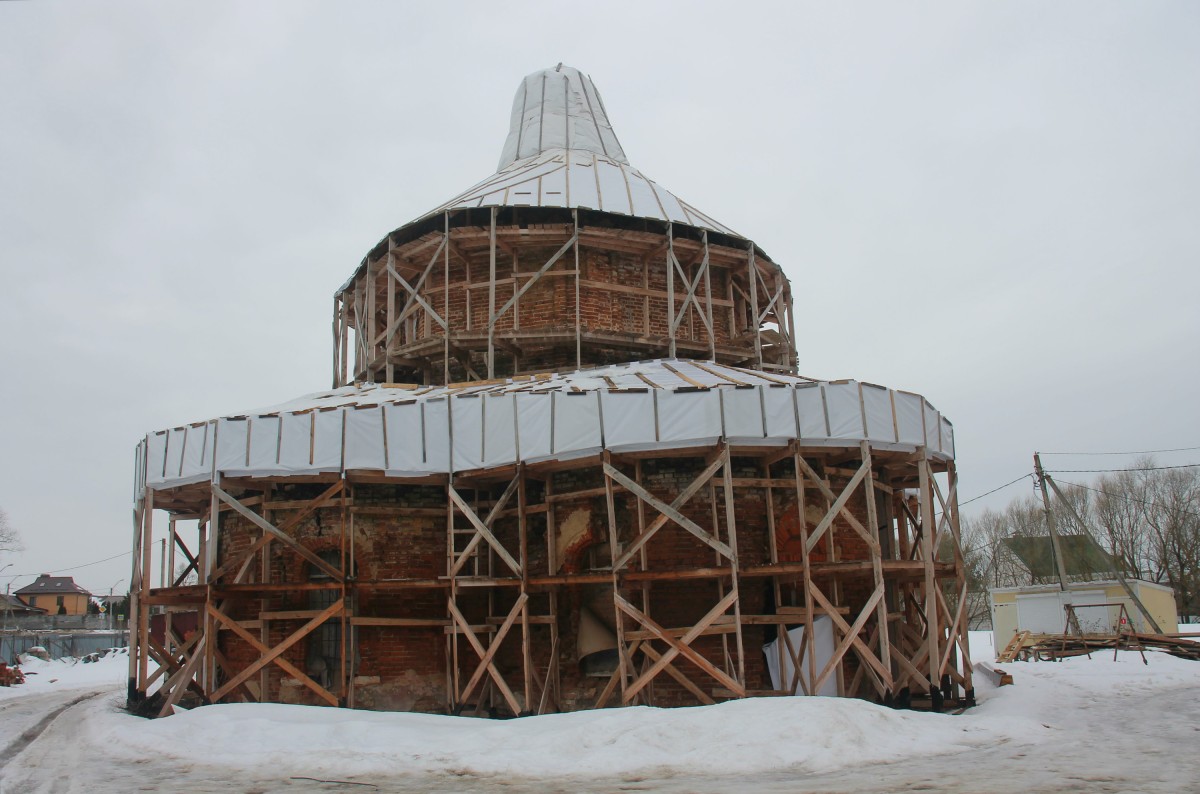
x=561 y=151
x=559 y=109
x=414 y=431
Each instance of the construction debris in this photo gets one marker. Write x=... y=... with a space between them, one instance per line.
x=1054 y=647
x=10 y=675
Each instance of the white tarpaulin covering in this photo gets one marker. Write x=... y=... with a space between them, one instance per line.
x=664 y=404
x=823 y=634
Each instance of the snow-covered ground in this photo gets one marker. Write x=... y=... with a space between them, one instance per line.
x=1083 y=724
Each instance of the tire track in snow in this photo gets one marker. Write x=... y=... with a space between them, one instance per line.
x=30 y=735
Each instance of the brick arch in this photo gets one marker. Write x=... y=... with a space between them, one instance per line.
x=789 y=538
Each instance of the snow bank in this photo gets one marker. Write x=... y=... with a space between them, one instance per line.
x=753 y=736
x=738 y=737
x=70 y=673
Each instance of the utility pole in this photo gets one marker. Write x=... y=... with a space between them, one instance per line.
x=1055 y=543
x=1056 y=546
x=1044 y=478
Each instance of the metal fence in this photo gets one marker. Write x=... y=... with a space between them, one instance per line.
x=60 y=643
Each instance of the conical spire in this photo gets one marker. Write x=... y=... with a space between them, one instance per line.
x=559 y=108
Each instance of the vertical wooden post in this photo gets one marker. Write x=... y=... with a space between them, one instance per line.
x=552 y=569
x=526 y=639
x=671 y=289
x=134 y=691
x=390 y=328
x=209 y=647
x=491 y=346
x=344 y=357
x=144 y=611
x=337 y=364
x=624 y=662
x=264 y=631
x=731 y=530
x=446 y=306
x=809 y=609
x=344 y=568
x=708 y=304
x=578 y=308
x=453 y=596
x=773 y=551
x=964 y=635
x=928 y=552
x=881 y=611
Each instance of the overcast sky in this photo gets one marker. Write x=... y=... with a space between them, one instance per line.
x=995 y=205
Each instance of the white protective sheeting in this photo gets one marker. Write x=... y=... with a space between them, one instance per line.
x=418 y=431
x=823 y=634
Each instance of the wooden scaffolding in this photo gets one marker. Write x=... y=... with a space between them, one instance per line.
x=779 y=538
x=441 y=300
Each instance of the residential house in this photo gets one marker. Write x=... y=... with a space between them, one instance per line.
x=58 y=595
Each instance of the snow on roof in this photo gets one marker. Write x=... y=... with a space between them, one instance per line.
x=416 y=431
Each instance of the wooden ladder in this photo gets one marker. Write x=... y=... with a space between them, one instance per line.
x=1013 y=648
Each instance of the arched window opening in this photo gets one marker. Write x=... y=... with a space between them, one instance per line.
x=324 y=660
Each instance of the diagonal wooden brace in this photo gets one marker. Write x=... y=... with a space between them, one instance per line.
x=681 y=646
x=477 y=537
x=668 y=512
x=485 y=664
x=280 y=535
x=839 y=505
x=483 y=530
x=850 y=637
x=275 y=654
x=509 y=697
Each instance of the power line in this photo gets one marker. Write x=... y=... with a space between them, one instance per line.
x=1136 y=452
x=1107 y=471
x=1001 y=488
x=73 y=567
x=1123 y=497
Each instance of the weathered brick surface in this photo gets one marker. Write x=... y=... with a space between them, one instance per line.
x=406 y=668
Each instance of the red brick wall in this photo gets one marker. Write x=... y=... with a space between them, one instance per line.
x=410 y=663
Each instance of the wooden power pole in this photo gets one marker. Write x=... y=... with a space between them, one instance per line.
x=1043 y=479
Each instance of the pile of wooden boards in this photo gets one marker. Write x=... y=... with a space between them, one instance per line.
x=1052 y=647
x=10 y=675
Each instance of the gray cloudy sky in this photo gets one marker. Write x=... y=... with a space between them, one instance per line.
x=996 y=205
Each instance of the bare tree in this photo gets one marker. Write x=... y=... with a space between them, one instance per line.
x=1120 y=511
x=10 y=539
x=1173 y=520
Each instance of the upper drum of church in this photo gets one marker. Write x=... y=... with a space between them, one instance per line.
x=566 y=257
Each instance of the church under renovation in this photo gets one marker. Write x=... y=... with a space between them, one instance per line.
x=565 y=463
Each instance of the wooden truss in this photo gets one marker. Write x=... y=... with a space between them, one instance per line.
x=874 y=552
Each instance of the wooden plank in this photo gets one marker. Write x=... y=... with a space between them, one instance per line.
x=267 y=526
x=485 y=664
x=177 y=684
x=679 y=646
x=275 y=654
x=839 y=503
x=667 y=512
x=482 y=652
x=400 y=622
x=491 y=517
x=483 y=530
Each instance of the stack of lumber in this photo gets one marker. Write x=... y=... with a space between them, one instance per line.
x=1174 y=644
x=1051 y=647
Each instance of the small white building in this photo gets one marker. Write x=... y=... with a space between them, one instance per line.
x=1041 y=608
